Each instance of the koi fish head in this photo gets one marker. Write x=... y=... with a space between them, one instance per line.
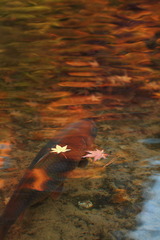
x=88 y=130
x=78 y=137
x=85 y=129
x=89 y=126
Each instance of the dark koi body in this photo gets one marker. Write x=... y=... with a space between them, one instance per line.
x=48 y=171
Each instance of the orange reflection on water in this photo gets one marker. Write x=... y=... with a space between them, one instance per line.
x=1 y=183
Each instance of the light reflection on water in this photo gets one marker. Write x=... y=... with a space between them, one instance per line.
x=148 y=219
x=150 y=140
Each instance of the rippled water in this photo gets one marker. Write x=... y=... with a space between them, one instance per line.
x=66 y=60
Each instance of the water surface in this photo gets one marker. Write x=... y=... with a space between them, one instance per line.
x=66 y=60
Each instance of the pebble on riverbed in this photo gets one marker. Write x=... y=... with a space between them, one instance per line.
x=86 y=204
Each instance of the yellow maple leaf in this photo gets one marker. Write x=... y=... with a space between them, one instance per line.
x=58 y=149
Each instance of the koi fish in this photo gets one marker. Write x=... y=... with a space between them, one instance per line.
x=46 y=174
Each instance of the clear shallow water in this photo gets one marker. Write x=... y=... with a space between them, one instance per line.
x=62 y=61
x=148 y=219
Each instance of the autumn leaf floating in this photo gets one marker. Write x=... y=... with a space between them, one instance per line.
x=96 y=155
x=58 y=149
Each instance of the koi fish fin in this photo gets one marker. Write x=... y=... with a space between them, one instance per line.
x=83 y=163
x=44 y=151
x=17 y=204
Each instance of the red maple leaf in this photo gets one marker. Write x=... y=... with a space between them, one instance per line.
x=96 y=155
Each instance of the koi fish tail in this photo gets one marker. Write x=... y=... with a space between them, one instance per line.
x=4 y=227
x=15 y=207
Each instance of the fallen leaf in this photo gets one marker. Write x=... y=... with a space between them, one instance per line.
x=120 y=196
x=96 y=155
x=58 y=149
x=120 y=79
